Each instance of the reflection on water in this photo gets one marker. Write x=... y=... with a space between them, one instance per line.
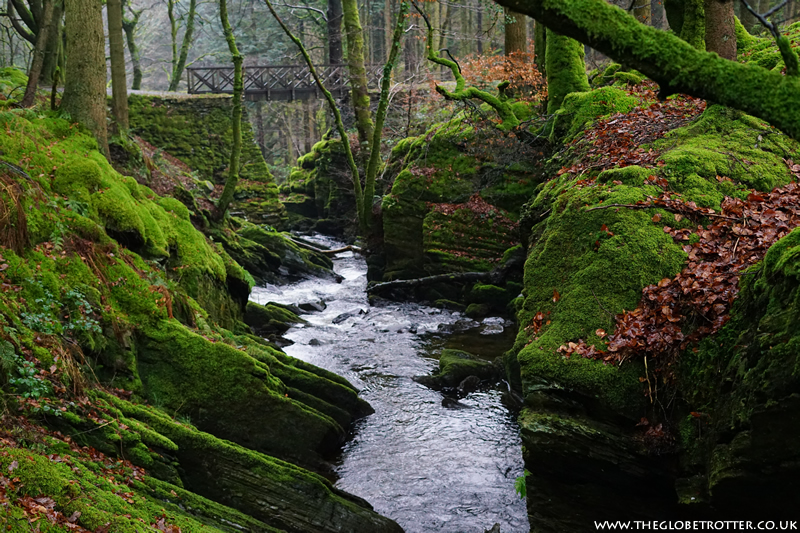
x=430 y=468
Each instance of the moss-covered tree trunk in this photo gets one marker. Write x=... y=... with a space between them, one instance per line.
x=693 y=30
x=236 y=113
x=720 y=28
x=358 y=72
x=85 y=87
x=566 y=70
x=642 y=12
x=179 y=61
x=52 y=49
x=516 y=34
x=380 y=117
x=129 y=25
x=671 y=62
x=37 y=61
x=119 y=83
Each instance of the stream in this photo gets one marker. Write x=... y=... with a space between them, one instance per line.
x=429 y=468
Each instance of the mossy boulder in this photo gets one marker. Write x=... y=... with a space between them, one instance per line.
x=229 y=393
x=270 y=319
x=580 y=108
x=742 y=450
x=320 y=187
x=453 y=204
x=457 y=365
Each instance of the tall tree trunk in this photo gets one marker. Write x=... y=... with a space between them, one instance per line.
x=358 y=72
x=387 y=29
x=129 y=25
x=53 y=44
x=720 y=28
x=236 y=113
x=516 y=34
x=119 y=84
x=179 y=63
x=642 y=12
x=540 y=48
x=566 y=70
x=479 y=24
x=693 y=30
x=38 y=54
x=335 y=53
x=85 y=88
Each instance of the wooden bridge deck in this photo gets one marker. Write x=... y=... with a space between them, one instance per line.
x=277 y=82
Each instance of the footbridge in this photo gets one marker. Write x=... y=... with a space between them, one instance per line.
x=278 y=82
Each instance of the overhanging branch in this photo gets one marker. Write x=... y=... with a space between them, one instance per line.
x=671 y=62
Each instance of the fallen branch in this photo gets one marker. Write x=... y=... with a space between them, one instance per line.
x=420 y=282
x=655 y=206
x=348 y=248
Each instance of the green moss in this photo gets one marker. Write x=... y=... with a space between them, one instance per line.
x=225 y=391
x=566 y=70
x=578 y=109
x=727 y=143
x=456 y=365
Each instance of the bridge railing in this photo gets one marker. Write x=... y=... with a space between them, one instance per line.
x=277 y=82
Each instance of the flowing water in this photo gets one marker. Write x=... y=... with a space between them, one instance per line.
x=430 y=468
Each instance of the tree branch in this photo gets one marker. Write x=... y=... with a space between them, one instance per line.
x=462 y=92
x=785 y=47
x=671 y=62
x=320 y=12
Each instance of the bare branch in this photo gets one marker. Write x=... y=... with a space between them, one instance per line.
x=308 y=8
x=785 y=47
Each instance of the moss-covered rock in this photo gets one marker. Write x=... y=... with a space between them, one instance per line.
x=267 y=320
x=457 y=365
x=198 y=131
x=433 y=221
x=229 y=393
x=741 y=450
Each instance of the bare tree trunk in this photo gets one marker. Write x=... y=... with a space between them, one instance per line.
x=119 y=84
x=38 y=54
x=720 y=28
x=642 y=12
x=188 y=35
x=85 y=88
x=540 y=48
x=53 y=44
x=479 y=24
x=387 y=29
x=335 y=54
x=516 y=34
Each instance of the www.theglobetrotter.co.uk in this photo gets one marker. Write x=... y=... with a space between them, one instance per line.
x=697 y=525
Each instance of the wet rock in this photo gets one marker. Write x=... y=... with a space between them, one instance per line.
x=313 y=307
x=413 y=328
x=492 y=329
x=460 y=325
x=455 y=366
x=452 y=403
x=344 y=316
x=449 y=304
x=477 y=310
x=315 y=342
x=469 y=384
x=495 y=529
x=270 y=319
